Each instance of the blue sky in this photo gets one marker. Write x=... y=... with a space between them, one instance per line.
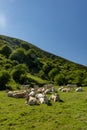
x=56 y=26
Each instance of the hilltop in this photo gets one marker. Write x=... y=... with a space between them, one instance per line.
x=22 y=62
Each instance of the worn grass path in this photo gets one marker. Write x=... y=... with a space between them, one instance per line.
x=69 y=115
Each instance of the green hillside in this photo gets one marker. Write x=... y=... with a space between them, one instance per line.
x=22 y=62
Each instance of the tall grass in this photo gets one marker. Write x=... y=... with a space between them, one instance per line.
x=68 y=115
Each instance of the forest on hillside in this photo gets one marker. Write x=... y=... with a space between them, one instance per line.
x=22 y=62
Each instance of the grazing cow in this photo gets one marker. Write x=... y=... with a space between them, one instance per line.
x=79 y=89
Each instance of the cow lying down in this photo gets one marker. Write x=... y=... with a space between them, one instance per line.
x=32 y=101
x=16 y=94
x=38 y=99
x=55 y=97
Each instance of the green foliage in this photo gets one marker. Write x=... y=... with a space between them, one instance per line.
x=6 y=50
x=25 y=46
x=53 y=72
x=42 y=74
x=55 y=69
x=34 y=80
x=32 y=61
x=46 y=68
x=23 y=78
x=30 y=57
x=18 y=71
x=60 y=79
x=4 y=79
x=70 y=78
x=8 y=66
x=85 y=82
x=18 y=55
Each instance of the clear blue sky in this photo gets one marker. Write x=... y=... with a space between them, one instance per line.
x=56 y=26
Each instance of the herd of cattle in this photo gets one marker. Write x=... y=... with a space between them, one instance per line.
x=41 y=95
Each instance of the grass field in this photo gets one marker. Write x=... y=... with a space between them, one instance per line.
x=68 y=115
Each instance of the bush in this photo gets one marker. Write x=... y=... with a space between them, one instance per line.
x=25 y=46
x=60 y=79
x=52 y=73
x=6 y=51
x=23 y=79
x=4 y=79
x=18 y=71
x=18 y=55
x=42 y=74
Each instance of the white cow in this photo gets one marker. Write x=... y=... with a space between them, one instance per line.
x=32 y=100
x=55 y=97
x=66 y=90
x=79 y=89
x=16 y=94
x=43 y=100
x=10 y=94
x=59 y=89
x=32 y=93
x=39 y=95
x=47 y=91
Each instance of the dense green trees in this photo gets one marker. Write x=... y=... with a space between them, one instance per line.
x=18 y=59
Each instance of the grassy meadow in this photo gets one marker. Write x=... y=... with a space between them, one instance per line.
x=68 y=115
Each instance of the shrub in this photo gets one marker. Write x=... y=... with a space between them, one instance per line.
x=4 y=79
x=18 y=71
x=23 y=79
x=52 y=73
x=85 y=82
x=18 y=55
x=25 y=46
x=6 y=51
x=60 y=79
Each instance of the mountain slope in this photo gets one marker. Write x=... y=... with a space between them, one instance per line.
x=19 y=59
